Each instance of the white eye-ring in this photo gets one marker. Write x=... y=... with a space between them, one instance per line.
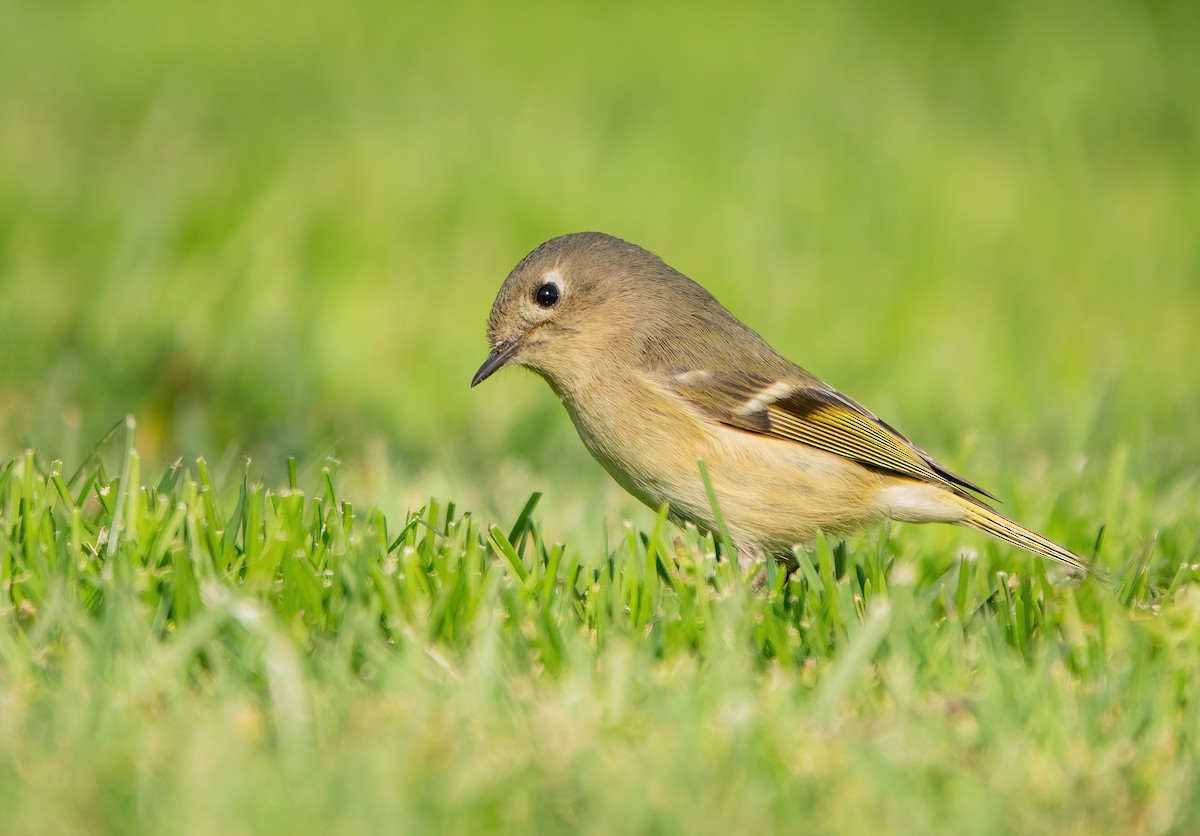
x=549 y=292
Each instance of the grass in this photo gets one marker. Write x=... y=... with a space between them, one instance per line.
x=181 y=655
x=273 y=236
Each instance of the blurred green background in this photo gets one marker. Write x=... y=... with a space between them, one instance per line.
x=276 y=229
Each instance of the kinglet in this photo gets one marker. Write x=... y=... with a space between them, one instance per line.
x=657 y=375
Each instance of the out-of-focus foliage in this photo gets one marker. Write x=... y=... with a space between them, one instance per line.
x=280 y=226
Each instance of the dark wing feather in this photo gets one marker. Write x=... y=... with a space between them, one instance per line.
x=814 y=415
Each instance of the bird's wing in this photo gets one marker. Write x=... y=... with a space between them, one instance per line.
x=816 y=415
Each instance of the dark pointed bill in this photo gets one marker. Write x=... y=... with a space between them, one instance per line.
x=499 y=356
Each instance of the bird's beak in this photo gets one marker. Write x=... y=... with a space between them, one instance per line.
x=500 y=355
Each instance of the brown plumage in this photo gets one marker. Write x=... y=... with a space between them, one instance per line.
x=656 y=375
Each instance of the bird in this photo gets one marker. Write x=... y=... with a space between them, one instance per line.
x=658 y=377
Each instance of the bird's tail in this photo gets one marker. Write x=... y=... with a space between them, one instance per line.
x=980 y=516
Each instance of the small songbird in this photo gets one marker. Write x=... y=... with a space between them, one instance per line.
x=657 y=375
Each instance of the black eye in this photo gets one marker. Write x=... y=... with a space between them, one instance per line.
x=547 y=295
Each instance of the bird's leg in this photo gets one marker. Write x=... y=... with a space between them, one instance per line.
x=751 y=561
x=748 y=558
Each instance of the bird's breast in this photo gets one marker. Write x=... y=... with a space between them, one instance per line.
x=773 y=493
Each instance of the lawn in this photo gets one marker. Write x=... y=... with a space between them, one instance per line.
x=316 y=583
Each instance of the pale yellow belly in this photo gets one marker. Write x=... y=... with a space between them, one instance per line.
x=773 y=494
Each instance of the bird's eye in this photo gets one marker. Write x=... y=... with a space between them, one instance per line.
x=547 y=295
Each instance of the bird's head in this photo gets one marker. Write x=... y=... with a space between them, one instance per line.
x=573 y=301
